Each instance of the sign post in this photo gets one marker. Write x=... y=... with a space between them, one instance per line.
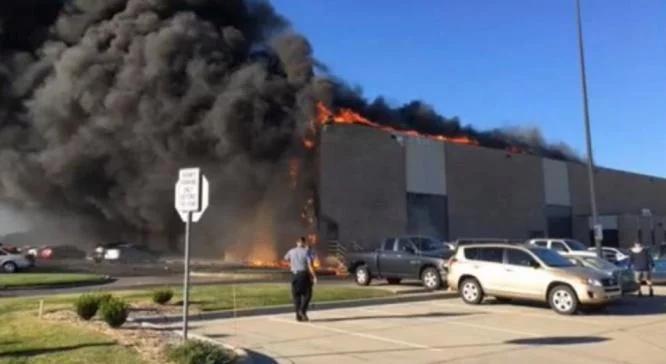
x=191 y=201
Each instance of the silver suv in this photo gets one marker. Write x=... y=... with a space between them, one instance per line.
x=527 y=272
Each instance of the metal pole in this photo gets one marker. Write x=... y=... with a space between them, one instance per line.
x=186 y=280
x=588 y=134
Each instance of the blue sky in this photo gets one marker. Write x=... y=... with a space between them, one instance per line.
x=507 y=63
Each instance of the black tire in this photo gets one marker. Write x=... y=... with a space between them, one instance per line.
x=431 y=279
x=471 y=291
x=10 y=267
x=563 y=300
x=362 y=275
x=393 y=280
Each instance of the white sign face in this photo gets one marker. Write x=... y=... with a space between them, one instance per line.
x=188 y=190
x=196 y=216
x=598 y=232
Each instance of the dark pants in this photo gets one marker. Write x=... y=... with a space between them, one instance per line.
x=301 y=291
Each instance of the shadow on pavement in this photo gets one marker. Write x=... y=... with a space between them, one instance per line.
x=636 y=306
x=259 y=358
x=625 y=306
x=33 y=352
x=408 y=316
x=558 y=340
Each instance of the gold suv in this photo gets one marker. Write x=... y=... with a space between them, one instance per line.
x=512 y=271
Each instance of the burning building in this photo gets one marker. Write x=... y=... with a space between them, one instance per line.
x=102 y=101
x=377 y=182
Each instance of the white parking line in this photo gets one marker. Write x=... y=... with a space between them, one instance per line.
x=358 y=334
x=456 y=320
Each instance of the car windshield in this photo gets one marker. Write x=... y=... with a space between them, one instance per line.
x=426 y=244
x=599 y=263
x=576 y=245
x=551 y=258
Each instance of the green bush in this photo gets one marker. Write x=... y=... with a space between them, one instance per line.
x=86 y=306
x=162 y=296
x=114 y=312
x=199 y=352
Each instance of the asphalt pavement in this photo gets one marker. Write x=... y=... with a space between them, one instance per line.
x=632 y=330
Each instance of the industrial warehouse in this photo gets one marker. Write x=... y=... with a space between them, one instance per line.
x=374 y=184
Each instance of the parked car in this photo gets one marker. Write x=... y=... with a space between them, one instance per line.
x=60 y=252
x=527 y=272
x=401 y=258
x=11 y=262
x=562 y=246
x=470 y=241
x=123 y=252
x=624 y=275
x=611 y=254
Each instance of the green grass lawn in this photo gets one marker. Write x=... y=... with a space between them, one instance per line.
x=20 y=280
x=25 y=339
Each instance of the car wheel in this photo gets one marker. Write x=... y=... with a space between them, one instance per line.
x=563 y=300
x=471 y=291
x=9 y=267
x=362 y=276
x=431 y=279
x=393 y=280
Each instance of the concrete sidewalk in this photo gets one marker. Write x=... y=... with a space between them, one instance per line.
x=449 y=331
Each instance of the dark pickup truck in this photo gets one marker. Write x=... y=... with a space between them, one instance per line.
x=402 y=258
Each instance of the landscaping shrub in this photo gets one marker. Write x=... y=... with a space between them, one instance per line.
x=162 y=296
x=199 y=352
x=114 y=312
x=86 y=306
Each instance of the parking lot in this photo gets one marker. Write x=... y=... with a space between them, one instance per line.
x=449 y=331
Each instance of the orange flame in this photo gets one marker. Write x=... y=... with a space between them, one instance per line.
x=347 y=116
x=308 y=143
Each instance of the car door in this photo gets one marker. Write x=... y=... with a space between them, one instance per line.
x=486 y=265
x=386 y=258
x=407 y=260
x=395 y=263
x=523 y=275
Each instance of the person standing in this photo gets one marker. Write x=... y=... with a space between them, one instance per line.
x=642 y=263
x=303 y=278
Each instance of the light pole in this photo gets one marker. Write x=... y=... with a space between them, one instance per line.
x=588 y=134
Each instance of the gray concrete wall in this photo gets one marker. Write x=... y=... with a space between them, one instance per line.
x=426 y=166
x=493 y=194
x=617 y=192
x=556 y=180
x=362 y=183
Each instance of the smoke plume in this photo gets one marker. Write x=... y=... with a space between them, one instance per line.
x=101 y=101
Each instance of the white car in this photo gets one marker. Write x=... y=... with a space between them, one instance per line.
x=12 y=262
x=565 y=247
x=611 y=254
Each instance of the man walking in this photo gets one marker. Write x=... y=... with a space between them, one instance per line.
x=642 y=264
x=300 y=262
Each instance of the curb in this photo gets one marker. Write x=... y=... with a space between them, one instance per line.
x=273 y=310
x=105 y=280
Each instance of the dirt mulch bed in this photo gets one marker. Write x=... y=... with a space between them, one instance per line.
x=151 y=344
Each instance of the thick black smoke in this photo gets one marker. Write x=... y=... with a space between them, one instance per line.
x=101 y=101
